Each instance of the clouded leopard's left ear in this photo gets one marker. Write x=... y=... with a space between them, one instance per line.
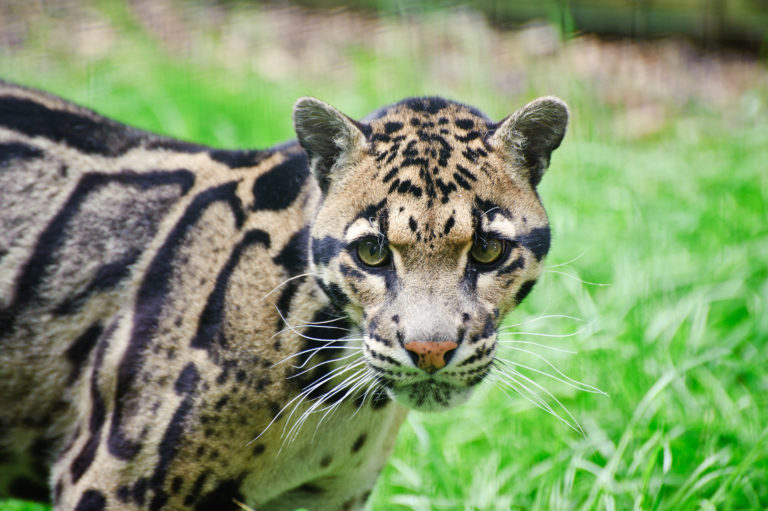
x=331 y=139
x=532 y=133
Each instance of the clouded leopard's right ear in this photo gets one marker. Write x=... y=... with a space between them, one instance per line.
x=331 y=139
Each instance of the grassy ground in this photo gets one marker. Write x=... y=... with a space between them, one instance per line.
x=658 y=200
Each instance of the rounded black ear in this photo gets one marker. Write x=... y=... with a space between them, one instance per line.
x=331 y=139
x=532 y=133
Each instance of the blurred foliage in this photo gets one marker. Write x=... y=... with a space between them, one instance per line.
x=742 y=23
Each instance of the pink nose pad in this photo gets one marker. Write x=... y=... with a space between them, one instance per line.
x=430 y=356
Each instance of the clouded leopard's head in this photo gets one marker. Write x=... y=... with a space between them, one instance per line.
x=430 y=230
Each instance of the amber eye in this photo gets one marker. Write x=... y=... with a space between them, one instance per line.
x=487 y=251
x=373 y=252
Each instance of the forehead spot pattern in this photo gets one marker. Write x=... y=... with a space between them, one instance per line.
x=437 y=144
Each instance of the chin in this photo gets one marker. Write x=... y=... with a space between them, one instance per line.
x=430 y=395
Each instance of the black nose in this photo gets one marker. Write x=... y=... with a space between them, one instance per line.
x=430 y=356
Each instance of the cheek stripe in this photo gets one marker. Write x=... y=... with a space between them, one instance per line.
x=524 y=290
x=537 y=241
x=334 y=293
x=325 y=249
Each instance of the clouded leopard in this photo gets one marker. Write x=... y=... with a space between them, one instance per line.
x=186 y=328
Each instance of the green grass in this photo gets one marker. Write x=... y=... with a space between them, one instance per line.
x=662 y=235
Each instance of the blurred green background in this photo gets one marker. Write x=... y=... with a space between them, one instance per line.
x=656 y=290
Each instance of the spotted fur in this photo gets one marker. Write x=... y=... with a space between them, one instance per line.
x=187 y=328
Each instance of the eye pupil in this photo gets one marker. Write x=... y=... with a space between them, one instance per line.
x=373 y=252
x=487 y=251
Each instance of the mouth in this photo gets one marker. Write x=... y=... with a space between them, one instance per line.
x=430 y=395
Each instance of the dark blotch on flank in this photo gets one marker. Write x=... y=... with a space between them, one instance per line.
x=78 y=351
x=379 y=399
x=108 y=276
x=139 y=491
x=466 y=173
x=359 y=443
x=197 y=487
x=222 y=497
x=123 y=494
x=279 y=188
x=187 y=380
x=18 y=151
x=408 y=187
x=98 y=416
x=221 y=403
x=92 y=500
x=239 y=159
x=294 y=255
x=167 y=449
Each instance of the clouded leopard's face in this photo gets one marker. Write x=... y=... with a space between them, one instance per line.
x=430 y=230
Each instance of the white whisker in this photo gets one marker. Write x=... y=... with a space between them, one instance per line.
x=300 y=397
x=488 y=211
x=361 y=380
x=291 y=434
x=562 y=378
x=567 y=262
x=373 y=385
x=326 y=378
x=313 y=325
x=331 y=361
x=540 y=334
x=551 y=348
x=285 y=282
x=548 y=316
x=574 y=277
x=574 y=425
x=327 y=346
x=327 y=341
x=529 y=395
